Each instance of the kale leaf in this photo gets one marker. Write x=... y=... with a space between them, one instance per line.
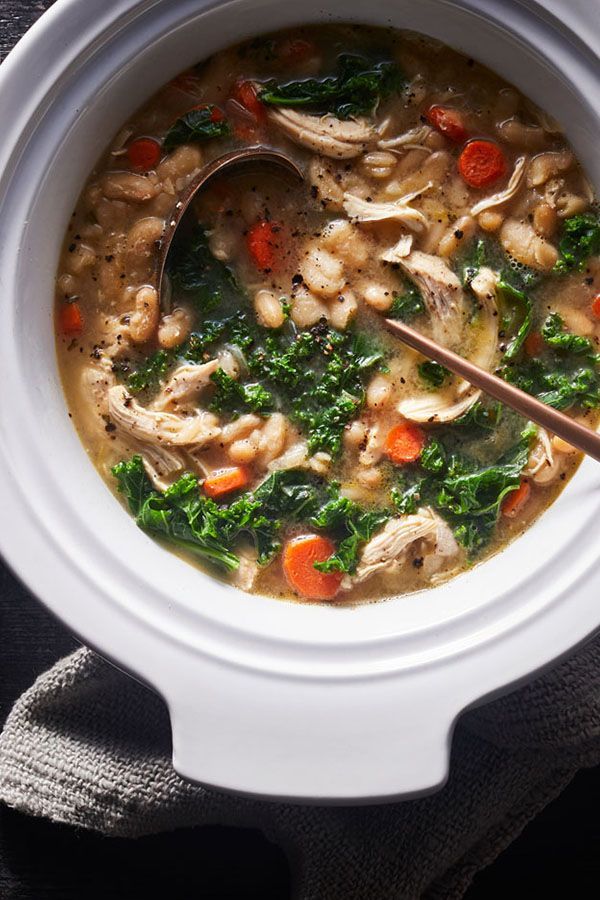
x=433 y=373
x=355 y=90
x=234 y=397
x=197 y=126
x=408 y=304
x=556 y=385
x=517 y=316
x=148 y=375
x=465 y=493
x=480 y=417
x=554 y=334
x=352 y=526
x=579 y=239
x=195 y=271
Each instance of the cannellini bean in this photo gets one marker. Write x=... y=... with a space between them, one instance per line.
x=268 y=308
x=522 y=243
x=457 y=236
x=174 y=328
x=223 y=243
x=569 y=204
x=182 y=161
x=577 y=321
x=434 y=168
x=240 y=428
x=345 y=240
x=142 y=238
x=548 y=165
x=144 y=321
x=379 y=392
x=561 y=446
x=490 y=220
x=527 y=137
x=128 y=186
x=545 y=219
x=272 y=438
x=228 y=363
x=370 y=477
x=246 y=450
x=435 y=140
x=378 y=296
x=67 y=285
x=307 y=309
x=355 y=434
x=82 y=257
x=323 y=272
x=379 y=164
x=342 y=310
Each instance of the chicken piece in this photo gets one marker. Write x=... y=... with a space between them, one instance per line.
x=326 y=135
x=544 y=464
x=442 y=293
x=484 y=287
x=388 y=546
x=185 y=384
x=511 y=189
x=437 y=408
x=162 y=466
x=246 y=573
x=400 y=249
x=153 y=427
x=398 y=210
x=414 y=139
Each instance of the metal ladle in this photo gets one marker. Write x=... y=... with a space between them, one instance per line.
x=229 y=161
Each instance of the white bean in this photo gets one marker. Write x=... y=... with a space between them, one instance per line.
x=378 y=296
x=128 y=187
x=268 y=308
x=144 y=320
x=342 y=310
x=174 y=328
x=323 y=272
x=307 y=309
x=379 y=392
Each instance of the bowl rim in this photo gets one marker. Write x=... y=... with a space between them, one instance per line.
x=302 y=647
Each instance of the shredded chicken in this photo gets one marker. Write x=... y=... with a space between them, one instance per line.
x=437 y=408
x=400 y=249
x=326 y=135
x=185 y=384
x=395 y=211
x=297 y=457
x=484 y=287
x=162 y=466
x=387 y=548
x=246 y=573
x=511 y=189
x=543 y=465
x=441 y=291
x=154 y=427
x=414 y=139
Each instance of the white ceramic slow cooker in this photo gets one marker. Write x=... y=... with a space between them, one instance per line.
x=313 y=703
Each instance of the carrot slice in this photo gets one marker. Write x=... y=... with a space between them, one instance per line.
x=534 y=344
x=264 y=242
x=71 y=319
x=143 y=153
x=224 y=481
x=299 y=557
x=448 y=122
x=294 y=50
x=514 y=502
x=245 y=93
x=404 y=443
x=596 y=306
x=481 y=163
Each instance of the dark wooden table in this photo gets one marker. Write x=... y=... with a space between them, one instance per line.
x=557 y=855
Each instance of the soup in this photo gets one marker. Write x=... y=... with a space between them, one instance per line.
x=257 y=417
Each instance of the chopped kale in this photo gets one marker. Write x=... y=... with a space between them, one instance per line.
x=408 y=304
x=433 y=373
x=554 y=334
x=197 y=126
x=516 y=311
x=355 y=90
x=148 y=375
x=579 y=239
x=352 y=526
x=554 y=383
x=203 y=278
x=465 y=493
x=480 y=416
x=234 y=397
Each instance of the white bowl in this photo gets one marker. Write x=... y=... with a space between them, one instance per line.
x=283 y=700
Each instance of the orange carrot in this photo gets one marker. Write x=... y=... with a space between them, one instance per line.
x=481 y=163
x=404 y=443
x=514 y=502
x=245 y=94
x=143 y=153
x=534 y=344
x=299 y=557
x=263 y=240
x=224 y=481
x=448 y=122
x=294 y=50
x=71 y=319
x=596 y=306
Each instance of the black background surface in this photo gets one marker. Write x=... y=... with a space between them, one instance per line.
x=558 y=855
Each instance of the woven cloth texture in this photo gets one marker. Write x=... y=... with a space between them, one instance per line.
x=89 y=746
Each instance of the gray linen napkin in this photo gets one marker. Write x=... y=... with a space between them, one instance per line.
x=89 y=746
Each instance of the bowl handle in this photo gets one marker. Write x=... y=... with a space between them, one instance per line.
x=311 y=740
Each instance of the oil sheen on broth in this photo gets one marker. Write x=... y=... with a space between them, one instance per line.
x=263 y=423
